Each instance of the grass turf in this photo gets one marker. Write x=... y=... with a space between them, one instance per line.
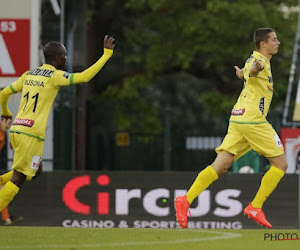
x=117 y=238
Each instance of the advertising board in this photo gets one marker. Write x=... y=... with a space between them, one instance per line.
x=145 y=200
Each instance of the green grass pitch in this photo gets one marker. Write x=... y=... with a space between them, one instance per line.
x=130 y=238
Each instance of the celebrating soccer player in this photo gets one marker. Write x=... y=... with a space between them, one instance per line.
x=39 y=88
x=248 y=129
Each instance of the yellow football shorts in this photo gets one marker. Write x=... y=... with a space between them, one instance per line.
x=241 y=138
x=28 y=153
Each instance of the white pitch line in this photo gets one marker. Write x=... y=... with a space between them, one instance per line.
x=223 y=236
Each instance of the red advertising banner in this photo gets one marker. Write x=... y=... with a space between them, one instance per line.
x=14 y=47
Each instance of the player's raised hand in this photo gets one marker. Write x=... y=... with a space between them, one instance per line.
x=108 y=42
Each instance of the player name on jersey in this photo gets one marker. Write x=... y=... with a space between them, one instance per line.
x=41 y=72
x=34 y=83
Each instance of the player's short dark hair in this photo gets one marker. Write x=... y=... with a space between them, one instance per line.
x=51 y=50
x=261 y=34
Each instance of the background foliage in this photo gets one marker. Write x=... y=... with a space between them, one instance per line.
x=182 y=53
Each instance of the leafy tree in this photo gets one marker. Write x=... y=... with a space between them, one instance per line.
x=182 y=53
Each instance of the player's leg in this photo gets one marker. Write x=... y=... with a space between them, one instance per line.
x=232 y=146
x=4 y=212
x=27 y=154
x=11 y=188
x=270 y=180
x=7 y=193
x=9 y=219
x=264 y=140
x=16 y=180
x=206 y=177
x=211 y=173
x=6 y=177
x=6 y=218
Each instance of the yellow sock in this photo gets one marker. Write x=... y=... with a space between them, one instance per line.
x=206 y=177
x=7 y=193
x=6 y=177
x=267 y=186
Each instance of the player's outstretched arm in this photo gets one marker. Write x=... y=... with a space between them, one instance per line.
x=90 y=72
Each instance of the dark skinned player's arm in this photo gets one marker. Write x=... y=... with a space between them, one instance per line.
x=86 y=75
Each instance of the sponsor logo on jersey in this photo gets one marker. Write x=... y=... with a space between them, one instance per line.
x=41 y=72
x=237 y=111
x=34 y=83
x=23 y=122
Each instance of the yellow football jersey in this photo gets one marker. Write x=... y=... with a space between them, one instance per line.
x=39 y=88
x=254 y=101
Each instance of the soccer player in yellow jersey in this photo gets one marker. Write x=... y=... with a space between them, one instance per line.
x=248 y=129
x=39 y=88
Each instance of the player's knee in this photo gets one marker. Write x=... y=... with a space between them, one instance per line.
x=279 y=162
x=18 y=178
x=283 y=165
x=225 y=169
x=221 y=169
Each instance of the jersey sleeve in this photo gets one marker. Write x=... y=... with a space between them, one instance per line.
x=17 y=86
x=62 y=78
x=13 y=88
